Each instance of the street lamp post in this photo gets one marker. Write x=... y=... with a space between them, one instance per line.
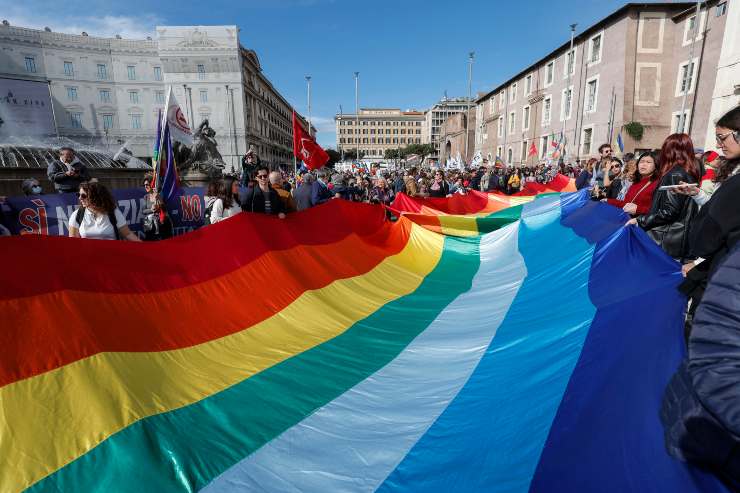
x=690 y=70
x=471 y=56
x=341 y=120
x=308 y=84
x=357 y=114
x=570 y=58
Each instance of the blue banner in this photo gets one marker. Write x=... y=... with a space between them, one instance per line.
x=49 y=214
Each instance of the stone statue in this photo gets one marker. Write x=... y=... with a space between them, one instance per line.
x=203 y=156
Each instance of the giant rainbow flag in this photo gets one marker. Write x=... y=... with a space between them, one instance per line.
x=337 y=352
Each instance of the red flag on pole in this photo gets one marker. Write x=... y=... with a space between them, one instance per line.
x=306 y=149
x=532 y=150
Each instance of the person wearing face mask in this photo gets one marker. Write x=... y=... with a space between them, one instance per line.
x=31 y=187
x=67 y=172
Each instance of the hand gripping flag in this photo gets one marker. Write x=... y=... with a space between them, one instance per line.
x=306 y=149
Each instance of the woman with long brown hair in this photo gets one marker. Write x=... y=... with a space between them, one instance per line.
x=668 y=220
x=98 y=216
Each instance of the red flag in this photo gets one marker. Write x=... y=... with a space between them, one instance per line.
x=532 y=150
x=306 y=149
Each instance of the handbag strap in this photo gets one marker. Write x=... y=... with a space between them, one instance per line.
x=640 y=191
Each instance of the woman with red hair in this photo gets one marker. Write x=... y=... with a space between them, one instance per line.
x=670 y=213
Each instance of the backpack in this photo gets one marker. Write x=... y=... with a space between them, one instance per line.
x=111 y=218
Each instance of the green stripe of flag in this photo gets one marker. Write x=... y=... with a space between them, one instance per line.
x=184 y=449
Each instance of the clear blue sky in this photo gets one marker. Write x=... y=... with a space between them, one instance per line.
x=408 y=52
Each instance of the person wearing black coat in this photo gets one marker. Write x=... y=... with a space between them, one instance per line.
x=716 y=228
x=670 y=214
x=701 y=405
x=667 y=222
x=262 y=197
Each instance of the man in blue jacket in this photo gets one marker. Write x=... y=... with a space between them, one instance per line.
x=320 y=192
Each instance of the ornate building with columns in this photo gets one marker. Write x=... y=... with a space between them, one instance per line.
x=107 y=92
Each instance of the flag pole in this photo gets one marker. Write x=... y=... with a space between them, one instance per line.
x=160 y=137
x=569 y=90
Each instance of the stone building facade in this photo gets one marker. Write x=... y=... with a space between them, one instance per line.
x=452 y=137
x=632 y=66
x=108 y=91
x=436 y=116
x=378 y=129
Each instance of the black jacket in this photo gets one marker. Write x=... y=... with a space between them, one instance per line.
x=57 y=174
x=670 y=214
x=701 y=405
x=442 y=191
x=254 y=201
x=155 y=230
x=716 y=228
x=612 y=191
x=583 y=180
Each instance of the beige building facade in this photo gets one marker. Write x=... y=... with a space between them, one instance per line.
x=633 y=66
x=375 y=130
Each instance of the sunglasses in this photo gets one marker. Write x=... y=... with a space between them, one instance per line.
x=147 y=185
x=261 y=176
x=721 y=137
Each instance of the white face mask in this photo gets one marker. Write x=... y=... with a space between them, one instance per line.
x=36 y=190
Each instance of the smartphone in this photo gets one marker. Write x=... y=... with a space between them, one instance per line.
x=671 y=187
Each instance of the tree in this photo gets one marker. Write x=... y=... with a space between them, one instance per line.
x=392 y=153
x=422 y=150
x=334 y=157
x=351 y=154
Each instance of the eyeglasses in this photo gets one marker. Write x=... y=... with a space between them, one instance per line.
x=721 y=137
x=82 y=195
x=607 y=151
x=147 y=185
x=261 y=176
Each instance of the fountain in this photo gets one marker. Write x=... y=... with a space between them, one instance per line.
x=36 y=153
x=25 y=158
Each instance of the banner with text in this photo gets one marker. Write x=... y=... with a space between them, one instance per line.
x=49 y=214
